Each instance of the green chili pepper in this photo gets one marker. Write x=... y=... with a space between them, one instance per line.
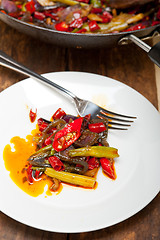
x=96 y=3
x=94 y=151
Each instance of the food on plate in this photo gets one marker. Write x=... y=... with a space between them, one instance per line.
x=85 y=16
x=67 y=149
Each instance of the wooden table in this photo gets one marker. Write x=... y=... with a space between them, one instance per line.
x=128 y=64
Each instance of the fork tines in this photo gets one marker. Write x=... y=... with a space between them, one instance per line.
x=122 y=122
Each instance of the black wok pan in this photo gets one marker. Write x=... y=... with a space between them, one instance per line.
x=67 y=39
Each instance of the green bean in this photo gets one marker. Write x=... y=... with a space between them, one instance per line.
x=42 y=169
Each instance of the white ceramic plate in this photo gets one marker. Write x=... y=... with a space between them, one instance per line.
x=76 y=209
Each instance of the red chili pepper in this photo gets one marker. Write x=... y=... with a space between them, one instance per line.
x=76 y=23
x=92 y=163
x=54 y=17
x=30 y=6
x=97 y=127
x=108 y=15
x=41 y=124
x=37 y=172
x=62 y=27
x=59 y=114
x=68 y=135
x=40 y=16
x=32 y=115
x=56 y=163
x=108 y=167
x=29 y=174
x=93 y=26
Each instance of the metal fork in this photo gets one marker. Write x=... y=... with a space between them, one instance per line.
x=83 y=107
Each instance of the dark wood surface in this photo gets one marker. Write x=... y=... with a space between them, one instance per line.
x=128 y=64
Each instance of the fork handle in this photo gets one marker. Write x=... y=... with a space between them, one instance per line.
x=8 y=62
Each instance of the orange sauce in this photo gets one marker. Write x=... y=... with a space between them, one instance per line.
x=16 y=163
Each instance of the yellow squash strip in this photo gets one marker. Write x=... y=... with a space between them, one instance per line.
x=135 y=18
x=71 y=178
x=71 y=2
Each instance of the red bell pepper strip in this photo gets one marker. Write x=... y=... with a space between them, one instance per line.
x=96 y=10
x=30 y=6
x=108 y=167
x=32 y=115
x=76 y=23
x=59 y=114
x=56 y=163
x=62 y=27
x=40 y=16
x=97 y=127
x=93 y=26
x=68 y=135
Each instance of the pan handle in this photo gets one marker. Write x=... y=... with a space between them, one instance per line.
x=153 y=52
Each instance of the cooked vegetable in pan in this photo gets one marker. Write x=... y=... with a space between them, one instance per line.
x=85 y=16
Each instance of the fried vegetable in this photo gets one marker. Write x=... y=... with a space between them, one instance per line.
x=71 y=178
x=55 y=185
x=87 y=138
x=95 y=151
x=71 y=2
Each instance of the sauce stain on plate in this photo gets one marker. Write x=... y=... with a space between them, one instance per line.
x=16 y=163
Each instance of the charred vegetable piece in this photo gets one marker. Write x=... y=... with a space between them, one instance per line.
x=41 y=151
x=55 y=185
x=40 y=162
x=87 y=138
x=71 y=178
x=95 y=151
x=84 y=164
x=69 y=167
